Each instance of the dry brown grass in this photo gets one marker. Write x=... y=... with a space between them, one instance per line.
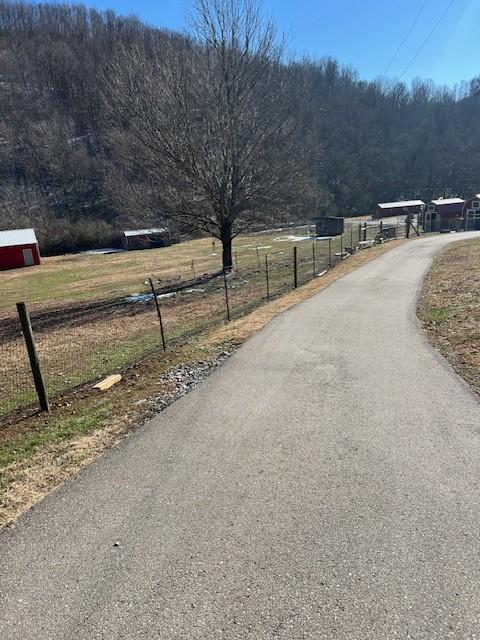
x=449 y=308
x=28 y=477
x=31 y=479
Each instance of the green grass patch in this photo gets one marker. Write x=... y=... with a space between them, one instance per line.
x=441 y=314
x=25 y=445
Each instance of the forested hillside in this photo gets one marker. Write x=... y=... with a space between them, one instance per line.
x=73 y=84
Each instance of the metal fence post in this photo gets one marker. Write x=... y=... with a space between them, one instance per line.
x=295 y=272
x=313 y=258
x=193 y=268
x=159 y=313
x=258 y=258
x=236 y=260
x=266 y=274
x=359 y=231
x=351 y=238
x=364 y=231
x=341 y=246
x=329 y=252
x=26 y=325
x=226 y=294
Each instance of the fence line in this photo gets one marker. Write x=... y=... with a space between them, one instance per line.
x=81 y=343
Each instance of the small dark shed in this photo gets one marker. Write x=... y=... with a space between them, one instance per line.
x=146 y=238
x=328 y=226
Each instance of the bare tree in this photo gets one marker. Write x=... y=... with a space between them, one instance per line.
x=205 y=129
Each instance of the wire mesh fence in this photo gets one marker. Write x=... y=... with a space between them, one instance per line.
x=82 y=342
x=16 y=383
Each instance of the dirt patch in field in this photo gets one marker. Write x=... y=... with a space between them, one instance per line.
x=449 y=308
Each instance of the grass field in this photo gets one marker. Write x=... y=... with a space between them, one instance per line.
x=84 y=276
x=449 y=308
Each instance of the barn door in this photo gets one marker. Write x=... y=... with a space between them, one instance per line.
x=28 y=258
x=428 y=221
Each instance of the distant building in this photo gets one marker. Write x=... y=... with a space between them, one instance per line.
x=18 y=248
x=146 y=238
x=388 y=209
x=444 y=214
x=471 y=213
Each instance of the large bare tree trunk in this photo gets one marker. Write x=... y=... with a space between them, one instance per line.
x=227 y=253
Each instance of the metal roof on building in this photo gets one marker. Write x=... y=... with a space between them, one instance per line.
x=16 y=237
x=143 y=232
x=448 y=201
x=402 y=203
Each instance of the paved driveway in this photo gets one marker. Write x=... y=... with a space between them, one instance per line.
x=323 y=484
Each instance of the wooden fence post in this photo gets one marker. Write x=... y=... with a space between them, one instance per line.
x=266 y=274
x=295 y=271
x=26 y=325
x=159 y=313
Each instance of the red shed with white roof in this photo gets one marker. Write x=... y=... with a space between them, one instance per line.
x=18 y=248
x=444 y=214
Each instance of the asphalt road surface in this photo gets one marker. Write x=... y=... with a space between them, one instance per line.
x=324 y=483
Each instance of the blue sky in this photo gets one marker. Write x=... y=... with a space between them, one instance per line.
x=362 y=33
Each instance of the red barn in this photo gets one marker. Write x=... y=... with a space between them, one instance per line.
x=444 y=214
x=18 y=248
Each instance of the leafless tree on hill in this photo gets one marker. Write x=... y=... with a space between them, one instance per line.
x=205 y=131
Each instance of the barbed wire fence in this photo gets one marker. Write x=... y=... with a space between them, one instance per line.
x=78 y=344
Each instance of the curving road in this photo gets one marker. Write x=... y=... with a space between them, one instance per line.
x=323 y=484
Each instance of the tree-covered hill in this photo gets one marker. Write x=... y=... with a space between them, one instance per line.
x=61 y=163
